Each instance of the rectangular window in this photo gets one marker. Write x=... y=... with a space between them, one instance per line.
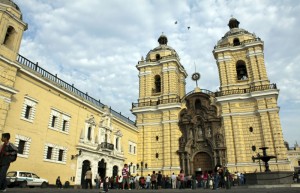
x=60 y=155
x=53 y=121
x=27 y=112
x=89 y=135
x=130 y=148
x=21 y=146
x=49 y=152
x=134 y=149
x=64 y=127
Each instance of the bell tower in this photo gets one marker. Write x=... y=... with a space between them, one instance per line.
x=161 y=88
x=250 y=114
x=11 y=31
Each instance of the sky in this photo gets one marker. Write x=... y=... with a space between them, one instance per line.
x=96 y=44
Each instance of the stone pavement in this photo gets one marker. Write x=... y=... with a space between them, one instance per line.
x=244 y=189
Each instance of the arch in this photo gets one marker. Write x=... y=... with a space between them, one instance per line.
x=102 y=168
x=236 y=42
x=86 y=164
x=157 y=82
x=9 y=37
x=157 y=56
x=203 y=160
x=115 y=171
x=241 y=70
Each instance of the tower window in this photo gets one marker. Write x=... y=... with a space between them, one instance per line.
x=157 y=83
x=241 y=70
x=197 y=104
x=157 y=57
x=9 y=37
x=236 y=42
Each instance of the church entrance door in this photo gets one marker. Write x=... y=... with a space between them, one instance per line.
x=203 y=160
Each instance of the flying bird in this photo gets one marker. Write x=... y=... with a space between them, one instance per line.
x=189 y=28
x=175 y=22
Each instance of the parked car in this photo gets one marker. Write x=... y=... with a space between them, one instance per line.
x=24 y=179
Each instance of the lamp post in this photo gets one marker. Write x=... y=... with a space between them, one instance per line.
x=142 y=167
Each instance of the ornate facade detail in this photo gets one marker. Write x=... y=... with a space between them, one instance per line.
x=201 y=137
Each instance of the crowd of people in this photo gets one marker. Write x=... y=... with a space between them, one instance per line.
x=220 y=178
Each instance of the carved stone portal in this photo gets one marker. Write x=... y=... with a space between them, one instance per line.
x=201 y=146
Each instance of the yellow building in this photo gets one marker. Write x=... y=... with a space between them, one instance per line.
x=202 y=130
x=59 y=130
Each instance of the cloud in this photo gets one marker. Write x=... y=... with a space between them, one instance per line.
x=100 y=42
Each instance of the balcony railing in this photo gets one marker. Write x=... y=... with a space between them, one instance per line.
x=246 y=90
x=213 y=94
x=156 y=102
x=53 y=78
x=107 y=146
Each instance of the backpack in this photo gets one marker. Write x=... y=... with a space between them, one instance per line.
x=13 y=152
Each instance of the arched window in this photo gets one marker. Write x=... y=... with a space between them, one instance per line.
x=236 y=42
x=9 y=37
x=157 y=82
x=157 y=57
x=241 y=70
x=197 y=104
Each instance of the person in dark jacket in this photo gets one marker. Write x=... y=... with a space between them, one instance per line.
x=7 y=150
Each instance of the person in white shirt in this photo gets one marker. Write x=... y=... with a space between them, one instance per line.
x=148 y=181
x=173 y=177
x=137 y=181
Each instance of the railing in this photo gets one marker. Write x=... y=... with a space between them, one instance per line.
x=156 y=102
x=241 y=43
x=213 y=94
x=54 y=79
x=210 y=93
x=105 y=145
x=246 y=90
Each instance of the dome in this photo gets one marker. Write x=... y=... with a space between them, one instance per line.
x=162 y=40
x=10 y=3
x=235 y=32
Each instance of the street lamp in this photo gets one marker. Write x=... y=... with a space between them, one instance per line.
x=142 y=167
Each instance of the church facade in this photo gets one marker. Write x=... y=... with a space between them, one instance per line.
x=202 y=130
x=61 y=129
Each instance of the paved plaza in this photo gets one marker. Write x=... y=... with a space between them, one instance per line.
x=245 y=189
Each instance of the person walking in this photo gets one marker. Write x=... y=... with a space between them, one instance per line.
x=88 y=178
x=58 y=183
x=173 y=178
x=181 y=178
x=125 y=175
x=8 y=154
